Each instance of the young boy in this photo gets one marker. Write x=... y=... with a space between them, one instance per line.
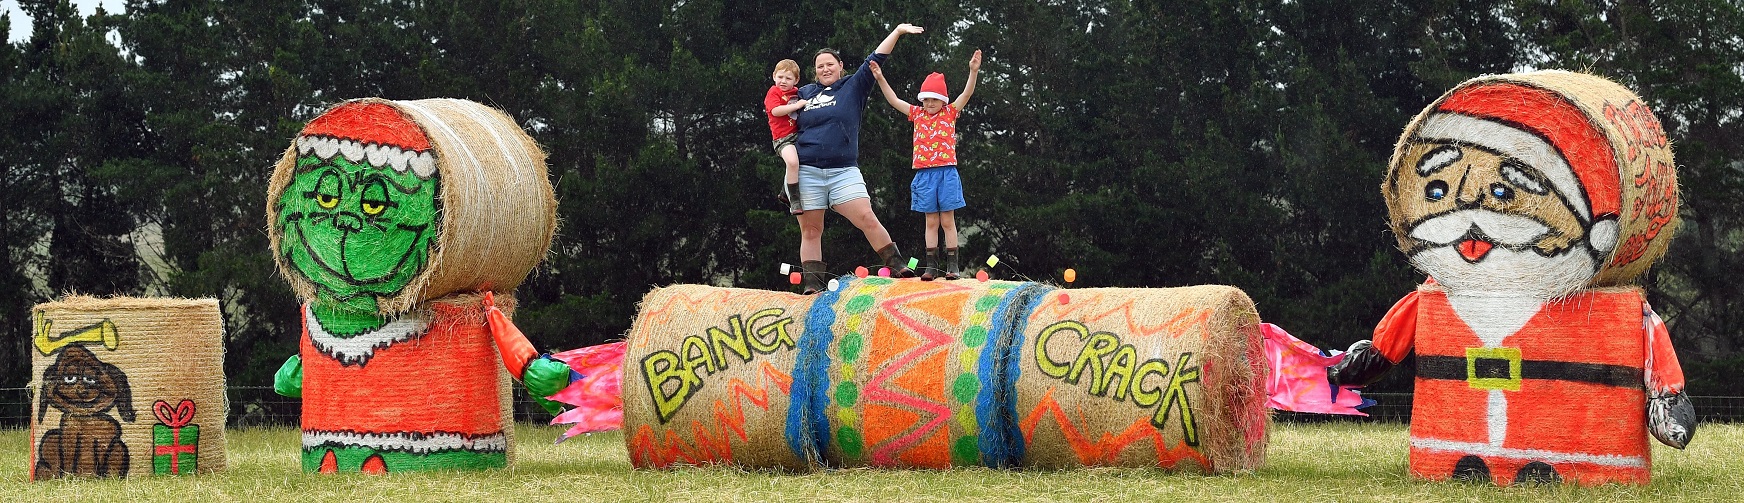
x=779 y=104
x=937 y=191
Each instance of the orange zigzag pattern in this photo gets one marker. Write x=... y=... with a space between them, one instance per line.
x=649 y=449
x=1105 y=450
x=659 y=316
x=1176 y=327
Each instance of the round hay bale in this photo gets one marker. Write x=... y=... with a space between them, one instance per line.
x=1170 y=377
x=1565 y=176
x=707 y=376
x=127 y=387
x=409 y=201
x=916 y=371
x=425 y=391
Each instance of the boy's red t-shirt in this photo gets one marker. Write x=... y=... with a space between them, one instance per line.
x=784 y=125
x=935 y=136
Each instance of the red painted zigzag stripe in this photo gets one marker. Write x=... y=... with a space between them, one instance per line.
x=651 y=449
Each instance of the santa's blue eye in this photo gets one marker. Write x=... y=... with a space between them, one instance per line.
x=1435 y=191
x=1502 y=192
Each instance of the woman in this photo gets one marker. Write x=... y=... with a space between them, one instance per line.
x=829 y=160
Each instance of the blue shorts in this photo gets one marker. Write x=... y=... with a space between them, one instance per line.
x=821 y=188
x=936 y=189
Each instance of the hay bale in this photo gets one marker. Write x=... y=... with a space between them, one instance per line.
x=708 y=374
x=1578 y=407
x=914 y=366
x=127 y=387
x=891 y=373
x=1170 y=377
x=1578 y=153
x=495 y=211
x=426 y=391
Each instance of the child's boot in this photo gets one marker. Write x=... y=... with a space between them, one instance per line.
x=893 y=259
x=931 y=267
x=952 y=270
x=813 y=277
x=793 y=203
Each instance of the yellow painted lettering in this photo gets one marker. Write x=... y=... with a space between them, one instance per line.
x=1176 y=396
x=1099 y=345
x=1142 y=396
x=778 y=328
x=696 y=354
x=1048 y=366
x=723 y=341
x=1122 y=366
x=661 y=368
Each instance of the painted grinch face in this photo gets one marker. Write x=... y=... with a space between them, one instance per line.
x=356 y=230
x=1477 y=219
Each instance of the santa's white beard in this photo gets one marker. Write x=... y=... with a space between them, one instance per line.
x=1511 y=269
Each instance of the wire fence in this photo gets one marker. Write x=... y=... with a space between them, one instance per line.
x=253 y=406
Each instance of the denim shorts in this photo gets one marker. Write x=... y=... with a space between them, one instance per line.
x=821 y=188
x=936 y=189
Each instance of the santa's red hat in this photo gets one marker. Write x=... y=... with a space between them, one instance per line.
x=1546 y=131
x=934 y=87
x=369 y=132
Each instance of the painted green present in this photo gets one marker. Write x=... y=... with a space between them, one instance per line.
x=175 y=443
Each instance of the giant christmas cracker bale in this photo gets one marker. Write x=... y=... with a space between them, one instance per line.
x=1135 y=377
x=127 y=387
x=892 y=373
x=1532 y=200
x=708 y=376
x=391 y=218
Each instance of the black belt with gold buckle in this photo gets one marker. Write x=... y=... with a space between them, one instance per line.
x=1502 y=368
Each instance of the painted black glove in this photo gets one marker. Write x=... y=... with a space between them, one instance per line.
x=1672 y=419
x=1362 y=365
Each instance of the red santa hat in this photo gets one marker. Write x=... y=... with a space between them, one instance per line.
x=934 y=87
x=1546 y=131
x=369 y=132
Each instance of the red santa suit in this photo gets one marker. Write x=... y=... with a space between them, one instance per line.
x=426 y=383
x=1566 y=389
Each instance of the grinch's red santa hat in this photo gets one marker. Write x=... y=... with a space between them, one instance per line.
x=1546 y=131
x=934 y=87
x=372 y=133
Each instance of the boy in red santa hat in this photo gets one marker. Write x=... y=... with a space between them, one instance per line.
x=1531 y=200
x=937 y=190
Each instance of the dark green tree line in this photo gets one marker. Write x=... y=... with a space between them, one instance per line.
x=1149 y=144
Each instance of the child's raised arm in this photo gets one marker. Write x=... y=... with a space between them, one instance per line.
x=969 y=88
x=889 y=94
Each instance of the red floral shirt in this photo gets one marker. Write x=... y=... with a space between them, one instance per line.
x=935 y=136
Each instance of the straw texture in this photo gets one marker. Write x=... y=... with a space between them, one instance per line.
x=1555 y=122
x=707 y=377
x=498 y=211
x=432 y=396
x=1169 y=377
x=156 y=368
x=912 y=374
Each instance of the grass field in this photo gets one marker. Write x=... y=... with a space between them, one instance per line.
x=1306 y=462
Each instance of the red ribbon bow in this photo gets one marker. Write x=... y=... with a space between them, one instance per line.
x=174 y=417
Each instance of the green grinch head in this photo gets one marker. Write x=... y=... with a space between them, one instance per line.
x=359 y=213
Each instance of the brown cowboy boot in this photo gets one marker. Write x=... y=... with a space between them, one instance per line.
x=813 y=276
x=952 y=270
x=893 y=259
x=793 y=204
x=931 y=267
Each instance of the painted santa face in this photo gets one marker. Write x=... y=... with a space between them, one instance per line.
x=1480 y=220
x=356 y=230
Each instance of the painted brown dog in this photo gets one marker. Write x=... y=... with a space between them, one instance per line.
x=88 y=441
